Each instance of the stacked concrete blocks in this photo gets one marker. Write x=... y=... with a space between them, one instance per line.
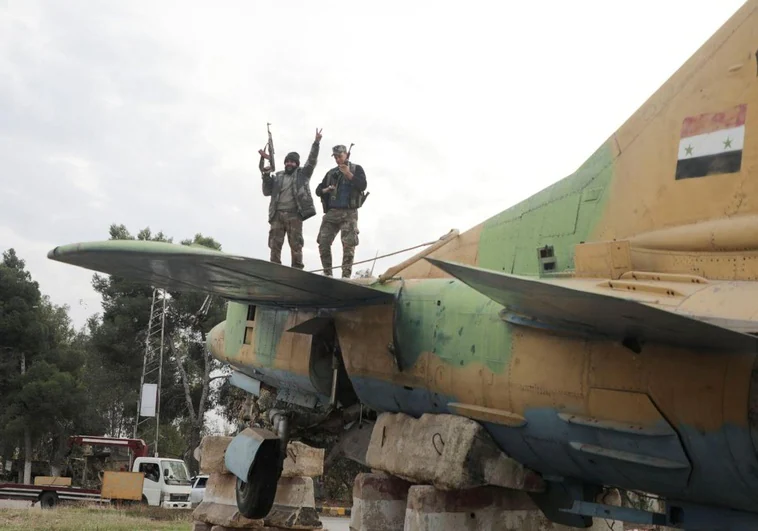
x=294 y=504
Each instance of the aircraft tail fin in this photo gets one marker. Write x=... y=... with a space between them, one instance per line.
x=676 y=180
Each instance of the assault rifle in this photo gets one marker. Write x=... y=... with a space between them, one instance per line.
x=270 y=146
x=364 y=195
x=325 y=198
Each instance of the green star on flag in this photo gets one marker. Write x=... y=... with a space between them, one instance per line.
x=727 y=143
x=688 y=150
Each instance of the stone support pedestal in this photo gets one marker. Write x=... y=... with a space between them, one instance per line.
x=294 y=504
x=385 y=503
x=379 y=502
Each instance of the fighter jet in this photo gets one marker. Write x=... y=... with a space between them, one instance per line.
x=602 y=331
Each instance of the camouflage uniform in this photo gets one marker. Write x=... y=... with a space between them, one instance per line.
x=288 y=224
x=340 y=214
x=291 y=204
x=344 y=220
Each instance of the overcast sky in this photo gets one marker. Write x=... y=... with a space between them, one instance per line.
x=151 y=113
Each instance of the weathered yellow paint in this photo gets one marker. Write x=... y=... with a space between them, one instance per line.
x=622 y=406
x=603 y=259
x=599 y=379
x=548 y=371
x=122 y=485
x=292 y=351
x=644 y=196
x=738 y=265
x=463 y=249
x=57 y=481
x=709 y=235
x=365 y=335
x=487 y=414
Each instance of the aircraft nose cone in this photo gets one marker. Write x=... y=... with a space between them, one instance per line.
x=214 y=341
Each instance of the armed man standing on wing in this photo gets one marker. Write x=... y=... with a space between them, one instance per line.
x=341 y=194
x=291 y=202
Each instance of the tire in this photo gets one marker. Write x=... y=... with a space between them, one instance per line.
x=256 y=496
x=48 y=500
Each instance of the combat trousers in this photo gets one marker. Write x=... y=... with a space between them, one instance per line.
x=291 y=225
x=344 y=220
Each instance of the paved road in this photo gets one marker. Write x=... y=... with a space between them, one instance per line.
x=334 y=523
x=16 y=504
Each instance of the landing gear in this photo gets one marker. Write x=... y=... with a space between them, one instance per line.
x=255 y=497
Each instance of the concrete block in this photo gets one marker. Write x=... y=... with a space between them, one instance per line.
x=379 y=503
x=200 y=526
x=224 y=515
x=219 y=505
x=282 y=517
x=294 y=505
x=303 y=460
x=212 y=450
x=481 y=508
x=224 y=528
x=295 y=492
x=448 y=451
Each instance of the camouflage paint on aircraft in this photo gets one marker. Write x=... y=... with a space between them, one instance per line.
x=562 y=396
x=562 y=215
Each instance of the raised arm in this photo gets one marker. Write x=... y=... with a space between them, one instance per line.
x=267 y=183
x=310 y=164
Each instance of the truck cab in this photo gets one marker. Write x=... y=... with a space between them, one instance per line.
x=166 y=483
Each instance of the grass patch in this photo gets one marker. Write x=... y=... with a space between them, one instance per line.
x=96 y=519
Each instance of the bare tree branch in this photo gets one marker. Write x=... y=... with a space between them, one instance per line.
x=206 y=385
x=185 y=382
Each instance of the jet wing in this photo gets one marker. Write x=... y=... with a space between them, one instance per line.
x=193 y=268
x=548 y=305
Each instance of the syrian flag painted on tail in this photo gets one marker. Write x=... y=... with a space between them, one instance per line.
x=711 y=143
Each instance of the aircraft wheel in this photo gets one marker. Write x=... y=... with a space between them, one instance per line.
x=48 y=500
x=256 y=496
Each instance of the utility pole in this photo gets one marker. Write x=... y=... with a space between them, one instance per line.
x=27 y=438
x=149 y=398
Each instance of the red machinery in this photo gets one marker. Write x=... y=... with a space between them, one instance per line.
x=137 y=446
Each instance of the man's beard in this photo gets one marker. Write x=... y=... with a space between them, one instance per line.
x=289 y=170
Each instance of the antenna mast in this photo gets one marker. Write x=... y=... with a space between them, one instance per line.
x=149 y=399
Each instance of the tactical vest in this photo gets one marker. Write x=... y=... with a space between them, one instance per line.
x=303 y=197
x=356 y=198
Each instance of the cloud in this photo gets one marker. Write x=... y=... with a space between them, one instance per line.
x=151 y=114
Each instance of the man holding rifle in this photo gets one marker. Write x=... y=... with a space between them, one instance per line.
x=291 y=201
x=342 y=194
